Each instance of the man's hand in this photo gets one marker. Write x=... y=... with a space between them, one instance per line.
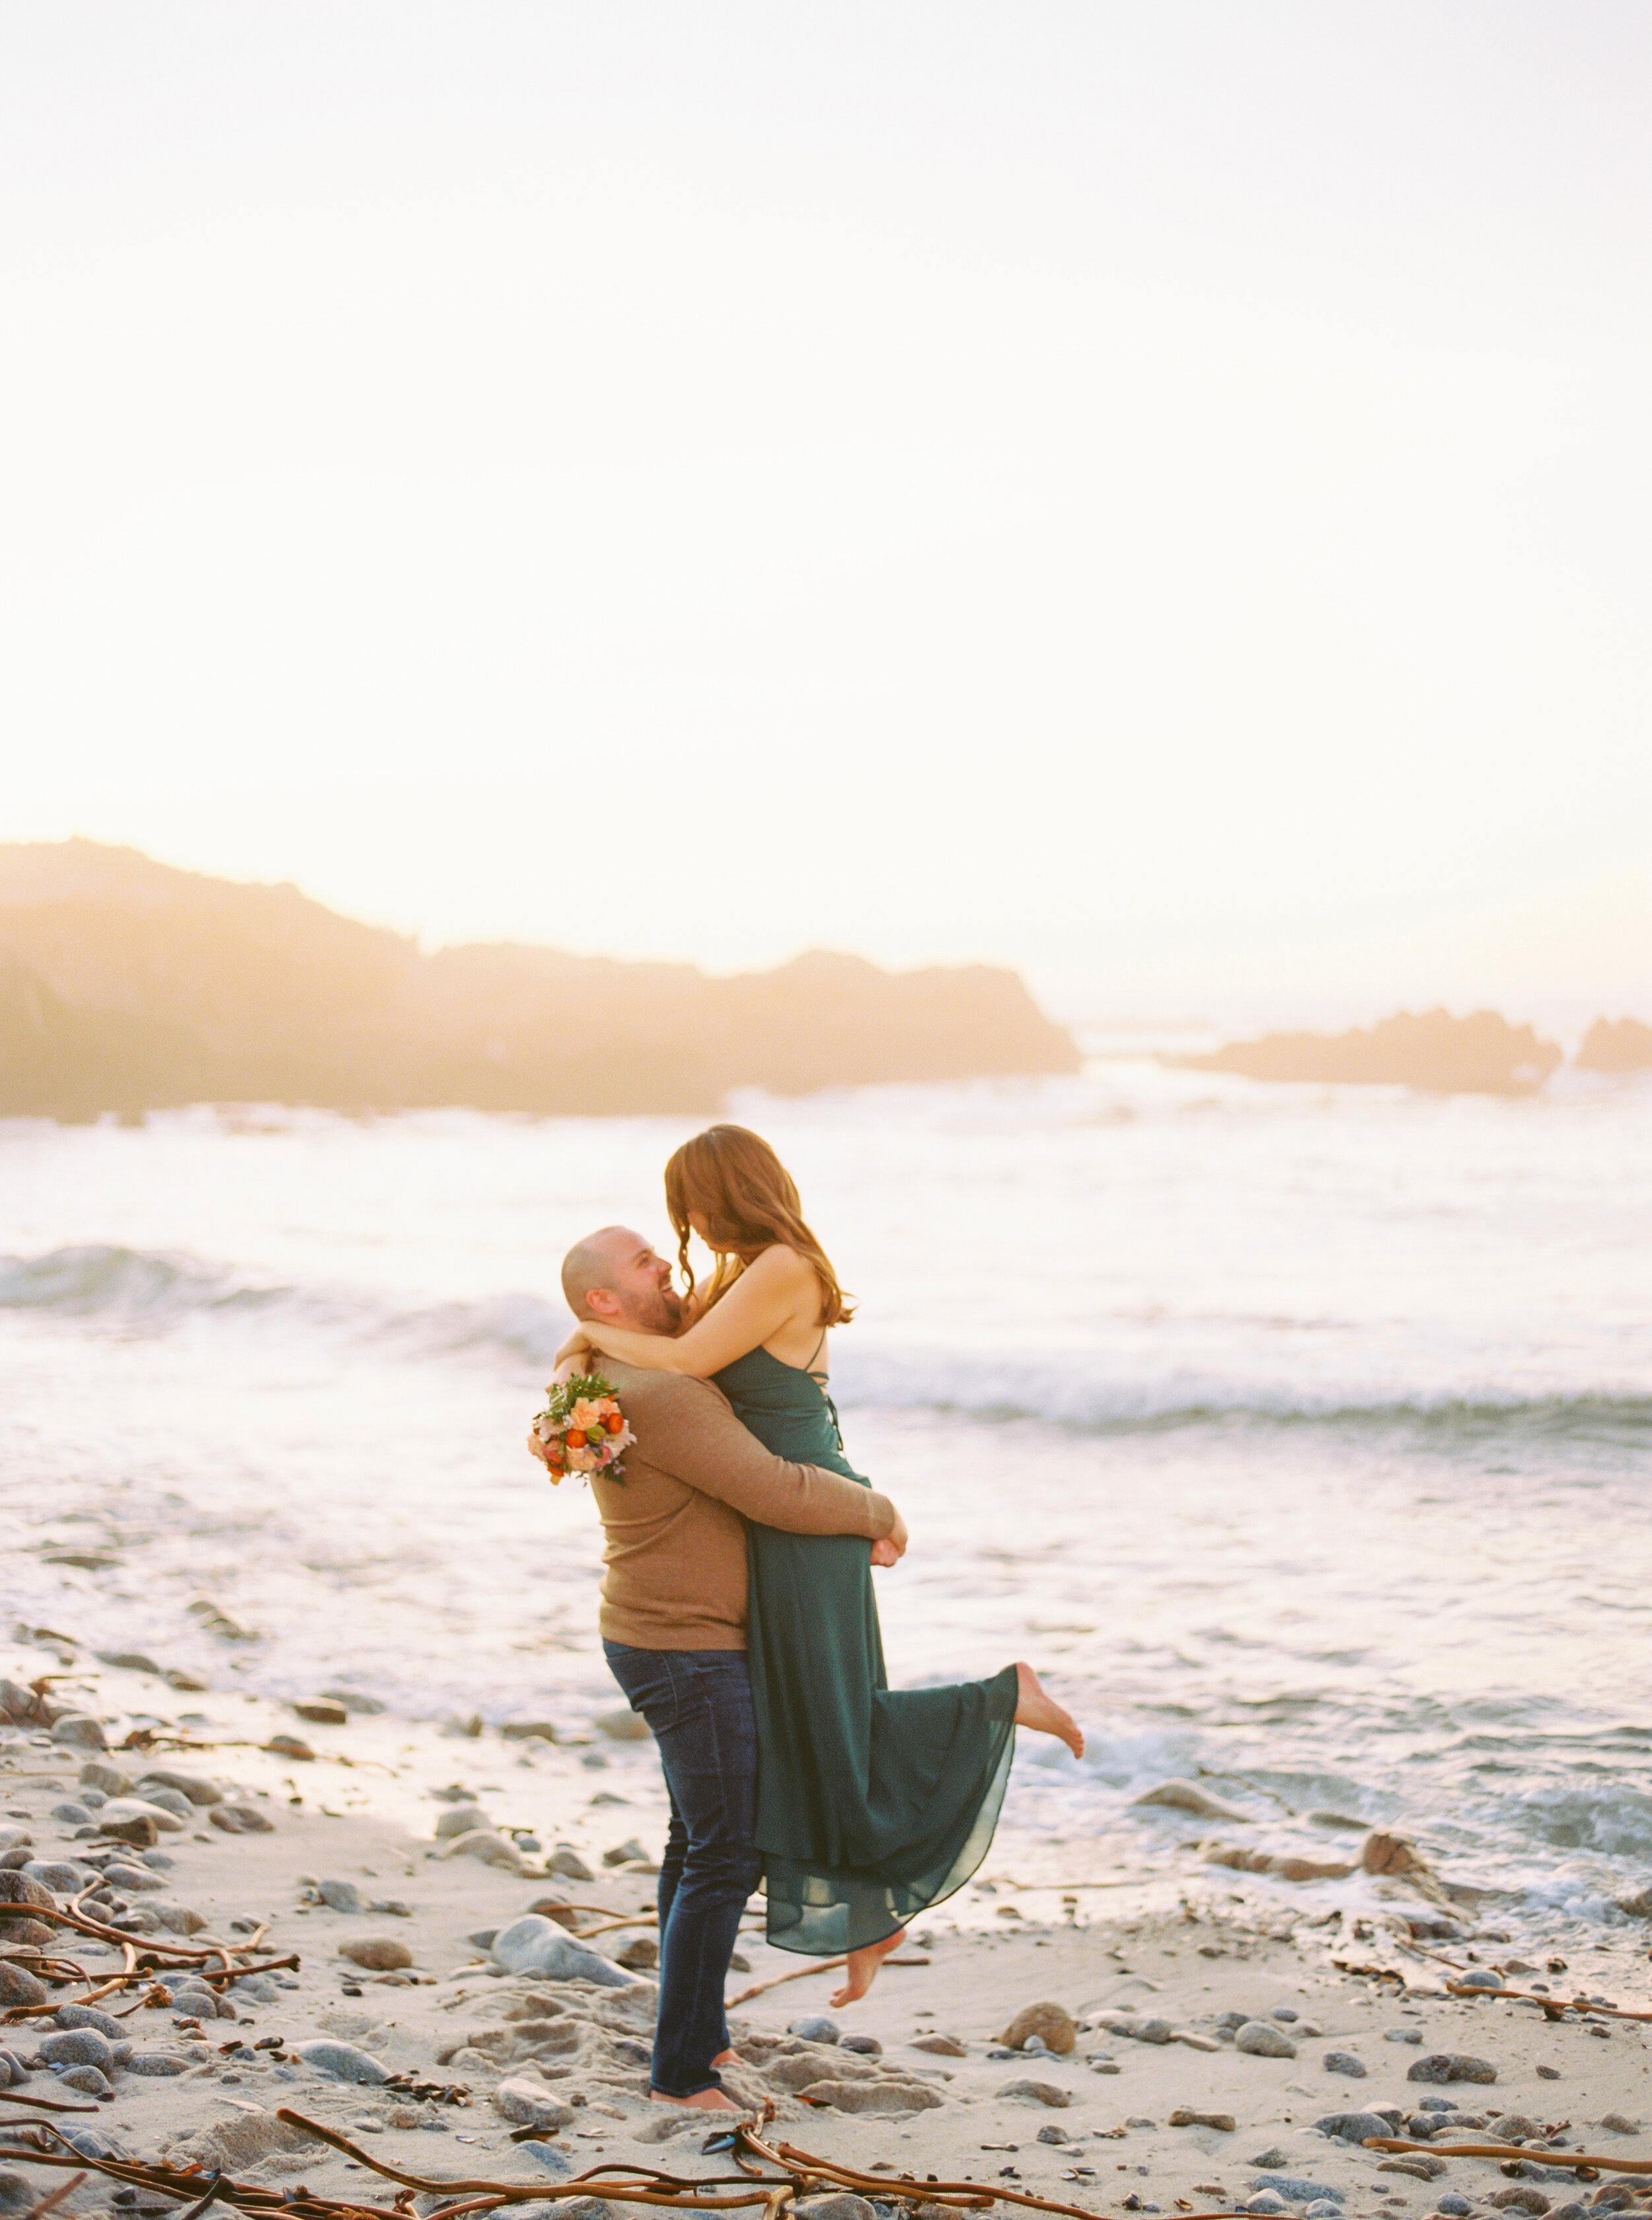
x=891 y=1549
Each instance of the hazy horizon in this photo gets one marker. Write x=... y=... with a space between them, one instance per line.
x=1152 y=496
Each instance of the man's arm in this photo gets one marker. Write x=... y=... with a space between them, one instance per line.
x=702 y=1443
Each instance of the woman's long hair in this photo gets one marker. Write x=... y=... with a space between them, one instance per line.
x=749 y=1201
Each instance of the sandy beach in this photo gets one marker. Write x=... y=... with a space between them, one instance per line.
x=1337 y=1987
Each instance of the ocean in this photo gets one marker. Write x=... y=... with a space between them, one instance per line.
x=1301 y=1436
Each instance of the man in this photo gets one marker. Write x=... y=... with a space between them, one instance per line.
x=673 y=1620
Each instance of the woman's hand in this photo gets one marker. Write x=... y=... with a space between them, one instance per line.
x=571 y=1356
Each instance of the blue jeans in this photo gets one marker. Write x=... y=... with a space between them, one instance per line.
x=698 y=1703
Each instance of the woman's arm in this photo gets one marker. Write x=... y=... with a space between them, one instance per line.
x=775 y=1291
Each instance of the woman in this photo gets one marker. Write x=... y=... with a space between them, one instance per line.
x=872 y=1804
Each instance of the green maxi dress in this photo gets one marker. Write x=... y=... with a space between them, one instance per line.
x=873 y=1802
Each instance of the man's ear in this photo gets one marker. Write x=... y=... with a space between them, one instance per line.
x=602 y=1302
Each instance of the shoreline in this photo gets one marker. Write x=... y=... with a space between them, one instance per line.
x=1338 y=1969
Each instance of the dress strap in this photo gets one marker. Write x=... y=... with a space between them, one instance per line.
x=814 y=1353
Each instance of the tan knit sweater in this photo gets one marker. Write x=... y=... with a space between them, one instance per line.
x=675 y=1552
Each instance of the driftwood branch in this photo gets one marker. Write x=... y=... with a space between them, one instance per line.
x=1553 y=2007
x=1585 y=2161
x=794 y=2173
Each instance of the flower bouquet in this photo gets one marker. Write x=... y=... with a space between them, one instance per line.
x=582 y=1428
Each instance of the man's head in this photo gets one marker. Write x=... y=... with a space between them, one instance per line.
x=616 y=1274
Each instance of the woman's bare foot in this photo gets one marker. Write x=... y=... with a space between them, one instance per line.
x=1042 y=1713
x=703 y=2100
x=860 y=1968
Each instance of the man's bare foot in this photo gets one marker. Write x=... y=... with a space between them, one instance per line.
x=1042 y=1713
x=703 y=2100
x=860 y=1968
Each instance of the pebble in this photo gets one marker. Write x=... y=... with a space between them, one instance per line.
x=79 y=1730
x=569 y=1863
x=90 y=2080
x=1293 y=2187
x=238 y=1819
x=1183 y=2117
x=625 y=1852
x=461 y=1819
x=340 y=1896
x=1402 y=2034
x=533 y=1945
x=18 y=1986
x=1453 y=2206
x=1345 y=2063
x=1258 y=2038
x=1324 y=2208
x=1267 y=2201
x=15 y=2194
x=379 y=1954
x=543 y=2155
x=813 y=2027
x=89 y=2016
x=1044 y=2093
x=1480 y=1979
x=641 y=1954
x=863 y=2046
x=71 y=1815
x=98 y=1772
x=1354 y=2127
x=155 y=2065
x=940 y=2046
x=1187 y=1796
x=622 y=1726
x=78 y=2046
x=839 y=2206
x=1451 y=2066
x=529 y=2104
x=1273 y=2156
x=343 y=2060
x=1051 y=2023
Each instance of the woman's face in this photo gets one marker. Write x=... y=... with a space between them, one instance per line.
x=699 y=1225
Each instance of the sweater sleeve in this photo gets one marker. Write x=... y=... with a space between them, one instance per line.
x=708 y=1447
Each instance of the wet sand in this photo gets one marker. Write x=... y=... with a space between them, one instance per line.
x=1338 y=1970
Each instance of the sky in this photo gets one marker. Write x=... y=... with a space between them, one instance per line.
x=1153 y=492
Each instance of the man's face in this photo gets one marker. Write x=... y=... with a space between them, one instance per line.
x=636 y=1289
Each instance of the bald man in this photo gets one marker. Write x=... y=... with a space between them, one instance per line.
x=673 y=1621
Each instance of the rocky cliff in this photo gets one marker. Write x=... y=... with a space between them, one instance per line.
x=127 y=986
x=1478 y=1055
x=1623 y=1046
